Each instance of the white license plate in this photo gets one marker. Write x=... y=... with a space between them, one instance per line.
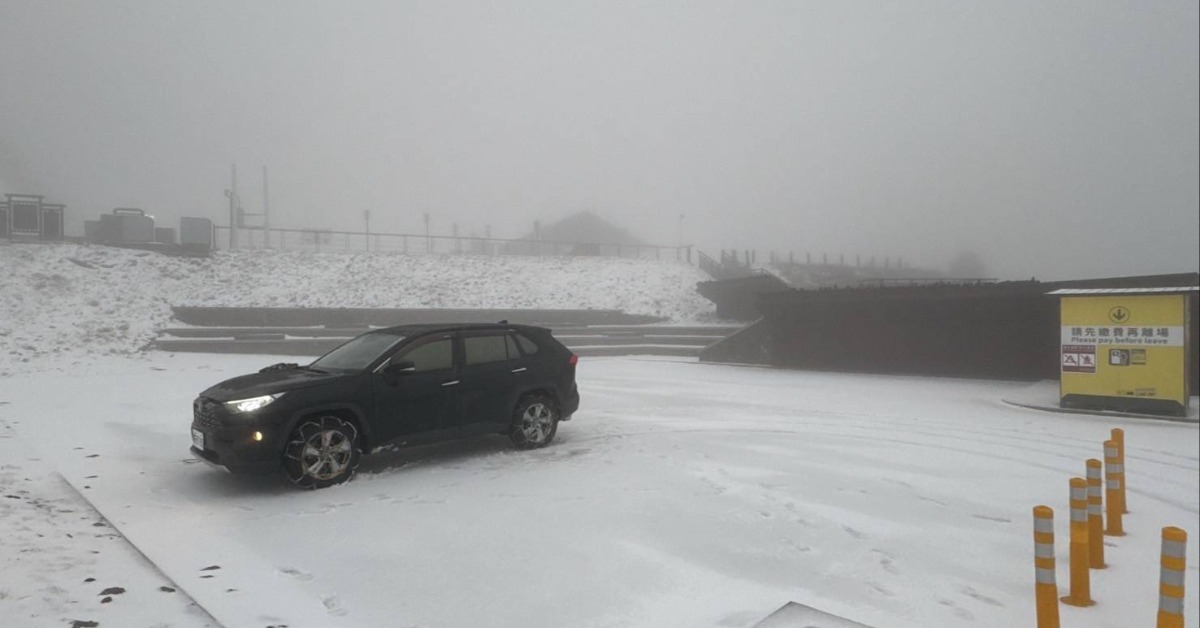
x=198 y=439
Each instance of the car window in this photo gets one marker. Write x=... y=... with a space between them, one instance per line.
x=528 y=345
x=511 y=342
x=358 y=353
x=487 y=349
x=431 y=356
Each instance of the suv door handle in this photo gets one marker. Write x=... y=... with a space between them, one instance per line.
x=518 y=370
x=450 y=383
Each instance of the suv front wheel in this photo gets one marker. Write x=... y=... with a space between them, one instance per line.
x=322 y=451
x=535 y=422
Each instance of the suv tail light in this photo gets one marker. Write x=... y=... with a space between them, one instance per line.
x=573 y=360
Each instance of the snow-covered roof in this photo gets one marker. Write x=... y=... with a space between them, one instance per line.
x=1086 y=291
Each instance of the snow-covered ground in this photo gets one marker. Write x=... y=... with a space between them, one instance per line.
x=681 y=494
x=63 y=304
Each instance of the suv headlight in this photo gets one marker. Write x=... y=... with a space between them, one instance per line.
x=251 y=404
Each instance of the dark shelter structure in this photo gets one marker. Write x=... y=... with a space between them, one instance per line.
x=1005 y=330
x=736 y=298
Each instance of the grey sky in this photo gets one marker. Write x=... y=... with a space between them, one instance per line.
x=1055 y=139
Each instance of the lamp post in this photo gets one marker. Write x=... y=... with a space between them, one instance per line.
x=679 y=240
x=229 y=195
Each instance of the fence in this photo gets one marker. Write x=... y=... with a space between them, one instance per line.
x=412 y=243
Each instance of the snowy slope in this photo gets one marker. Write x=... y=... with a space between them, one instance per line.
x=63 y=303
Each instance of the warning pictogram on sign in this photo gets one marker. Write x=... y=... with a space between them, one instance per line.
x=1079 y=358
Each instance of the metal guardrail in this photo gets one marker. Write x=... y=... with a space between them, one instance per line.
x=413 y=243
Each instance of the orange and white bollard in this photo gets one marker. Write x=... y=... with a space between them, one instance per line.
x=1170 y=580
x=1118 y=437
x=1113 y=481
x=1045 y=587
x=1081 y=590
x=1095 y=509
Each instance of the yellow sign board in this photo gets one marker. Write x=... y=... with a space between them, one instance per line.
x=1125 y=352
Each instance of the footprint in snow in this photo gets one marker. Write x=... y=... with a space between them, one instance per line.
x=333 y=605
x=887 y=561
x=325 y=509
x=975 y=595
x=879 y=588
x=298 y=574
x=854 y=533
x=959 y=611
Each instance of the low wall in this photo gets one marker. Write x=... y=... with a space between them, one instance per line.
x=1001 y=331
x=1007 y=330
x=385 y=317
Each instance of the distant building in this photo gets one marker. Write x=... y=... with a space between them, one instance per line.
x=583 y=233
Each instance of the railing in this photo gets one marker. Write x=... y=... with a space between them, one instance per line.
x=416 y=244
x=884 y=282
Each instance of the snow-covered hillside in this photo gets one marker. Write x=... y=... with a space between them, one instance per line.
x=73 y=301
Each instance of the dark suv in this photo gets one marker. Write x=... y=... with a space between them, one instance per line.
x=405 y=385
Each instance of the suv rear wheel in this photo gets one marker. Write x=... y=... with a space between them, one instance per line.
x=535 y=422
x=322 y=451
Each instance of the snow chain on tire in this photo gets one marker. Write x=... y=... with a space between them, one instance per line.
x=534 y=422
x=339 y=448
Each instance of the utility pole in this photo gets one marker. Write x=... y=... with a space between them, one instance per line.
x=266 y=212
x=233 y=209
x=367 y=219
x=428 y=240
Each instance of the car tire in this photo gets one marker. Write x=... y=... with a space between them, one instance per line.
x=322 y=451
x=534 y=422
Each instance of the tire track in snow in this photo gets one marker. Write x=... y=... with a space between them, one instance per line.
x=1192 y=508
x=893 y=420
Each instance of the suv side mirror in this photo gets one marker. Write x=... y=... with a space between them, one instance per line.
x=399 y=368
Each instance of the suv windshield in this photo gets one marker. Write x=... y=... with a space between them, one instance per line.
x=358 y=353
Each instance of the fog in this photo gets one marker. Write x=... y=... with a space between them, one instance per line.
x=1055 y=140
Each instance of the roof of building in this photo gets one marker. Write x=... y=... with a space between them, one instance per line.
x=1099 y=291
x=585 y=227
